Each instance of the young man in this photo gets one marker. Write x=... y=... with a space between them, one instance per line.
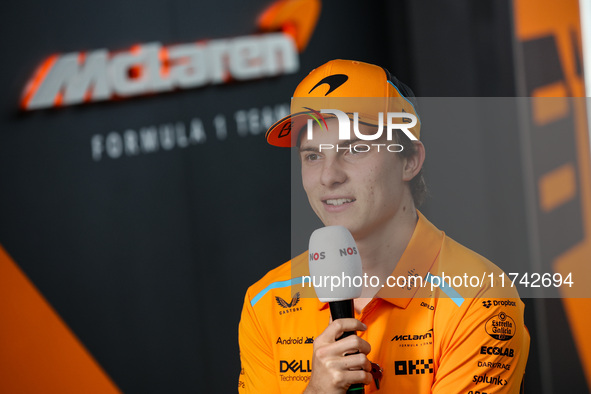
x=446 y=339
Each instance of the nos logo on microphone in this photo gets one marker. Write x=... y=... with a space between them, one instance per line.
x=342 y=252
x=317 y=256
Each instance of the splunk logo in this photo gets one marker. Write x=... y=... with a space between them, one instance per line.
x=344 y=124
x=496 y=380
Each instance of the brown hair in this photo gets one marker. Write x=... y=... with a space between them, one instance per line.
x=418 y=187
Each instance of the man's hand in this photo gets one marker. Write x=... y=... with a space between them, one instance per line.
x=332 y=370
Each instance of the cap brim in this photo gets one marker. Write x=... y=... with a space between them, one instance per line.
x=280 y=134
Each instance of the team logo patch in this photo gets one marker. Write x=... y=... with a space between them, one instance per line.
x=284 y=304
x=488 y=303
x=413 y=367
x=501 y=327
x=289 y=307
x=333 y=81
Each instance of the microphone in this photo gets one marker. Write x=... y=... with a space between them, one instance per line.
x=335 y=271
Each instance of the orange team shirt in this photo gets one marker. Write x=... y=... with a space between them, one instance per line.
x=449 y=340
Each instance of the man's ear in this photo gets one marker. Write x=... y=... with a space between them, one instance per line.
x=414 y=163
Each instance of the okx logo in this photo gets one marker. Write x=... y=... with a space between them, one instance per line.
x=413 y=367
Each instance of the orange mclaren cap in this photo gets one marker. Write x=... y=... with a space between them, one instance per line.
x=350 y=86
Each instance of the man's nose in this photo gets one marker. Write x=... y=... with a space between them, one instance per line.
x=332 y=172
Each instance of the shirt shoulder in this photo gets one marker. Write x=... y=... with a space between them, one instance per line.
x=288 y=275
x=471 y=274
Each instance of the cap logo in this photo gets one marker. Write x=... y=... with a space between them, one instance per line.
x=333 y=81
x=285 y=130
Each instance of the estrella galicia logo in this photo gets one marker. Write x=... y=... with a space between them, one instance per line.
x=413 y=367
x=501 y=327
x=333 y=81
x=289 y=307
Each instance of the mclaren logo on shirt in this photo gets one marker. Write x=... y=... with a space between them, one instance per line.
x=414 y=340
x=289 y=307
x=411 y=337
x=413 y=367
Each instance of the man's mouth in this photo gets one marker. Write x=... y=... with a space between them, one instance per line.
x=338 y=201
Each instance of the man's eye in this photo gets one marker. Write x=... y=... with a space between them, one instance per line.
x=311 y=156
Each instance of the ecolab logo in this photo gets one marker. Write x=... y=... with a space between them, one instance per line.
x=99 y=75
x=497 y=351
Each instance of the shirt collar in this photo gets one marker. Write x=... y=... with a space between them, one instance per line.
x=417 y=260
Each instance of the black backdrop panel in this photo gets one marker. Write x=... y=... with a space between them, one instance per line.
x=147 y=254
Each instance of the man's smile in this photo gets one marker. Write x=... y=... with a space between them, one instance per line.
x=338 y=201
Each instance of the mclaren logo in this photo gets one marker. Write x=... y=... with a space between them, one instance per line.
x=289 y=307
x=412 y=337
x=100 y=75
x=333 y=81
x=150 y=68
